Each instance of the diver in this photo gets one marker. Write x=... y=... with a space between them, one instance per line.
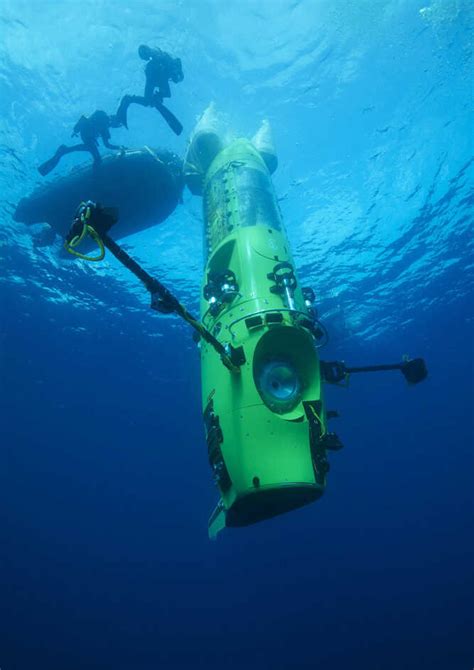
x=160 y=69
x=90 y=128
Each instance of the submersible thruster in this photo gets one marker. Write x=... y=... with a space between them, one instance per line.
x=266 y=425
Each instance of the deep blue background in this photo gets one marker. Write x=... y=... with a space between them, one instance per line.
x=105 y=492
x=105 y=489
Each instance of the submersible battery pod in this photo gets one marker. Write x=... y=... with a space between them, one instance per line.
x=266 y=424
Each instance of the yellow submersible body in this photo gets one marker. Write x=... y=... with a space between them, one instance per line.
x=265 y=424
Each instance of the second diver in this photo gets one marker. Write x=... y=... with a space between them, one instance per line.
x=90 y=128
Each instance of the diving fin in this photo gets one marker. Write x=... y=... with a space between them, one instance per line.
x=48 y=166
x=216 y=521
x=120 y=118
x=169 y=117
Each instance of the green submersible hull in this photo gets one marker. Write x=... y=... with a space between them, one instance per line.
x=265 y=425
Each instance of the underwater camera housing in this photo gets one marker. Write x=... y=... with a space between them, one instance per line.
x=414 y=371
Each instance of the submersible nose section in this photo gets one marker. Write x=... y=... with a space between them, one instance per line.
x=265 y=425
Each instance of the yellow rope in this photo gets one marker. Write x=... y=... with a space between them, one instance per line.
x=318 y=418
x=87 y=230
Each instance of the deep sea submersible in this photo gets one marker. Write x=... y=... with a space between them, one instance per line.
x=265 y=416
x=267 y=426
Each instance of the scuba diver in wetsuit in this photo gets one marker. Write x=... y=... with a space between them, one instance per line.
x=90 y=128
x=160 y=69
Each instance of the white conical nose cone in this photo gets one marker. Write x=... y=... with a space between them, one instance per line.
x=204 y=145
x=263 y=142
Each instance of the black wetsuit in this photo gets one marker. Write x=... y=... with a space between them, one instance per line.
x=90 y=129
x=159 y=70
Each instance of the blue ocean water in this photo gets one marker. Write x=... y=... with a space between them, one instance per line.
x=105 y=489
